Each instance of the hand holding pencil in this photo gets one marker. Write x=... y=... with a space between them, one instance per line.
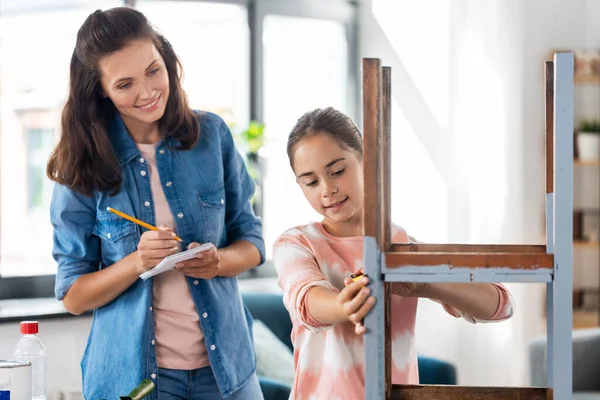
x=137 y=221
x=155 y=244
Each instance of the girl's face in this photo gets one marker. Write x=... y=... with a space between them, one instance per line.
x=135 y=79
x=331 y=178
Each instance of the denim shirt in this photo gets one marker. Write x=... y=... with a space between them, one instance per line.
x=208 y=190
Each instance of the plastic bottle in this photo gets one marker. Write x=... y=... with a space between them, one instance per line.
x=30 y=348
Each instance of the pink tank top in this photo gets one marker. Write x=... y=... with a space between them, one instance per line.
x=179 y=339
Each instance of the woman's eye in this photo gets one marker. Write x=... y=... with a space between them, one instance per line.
x=125 y=86
x=153 y=72
x=312 y=183
x=339 y=172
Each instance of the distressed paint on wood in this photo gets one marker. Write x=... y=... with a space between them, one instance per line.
x=372 y=132
x=477 y=276
x=437 y=392
x=466 y=248
x=385 y=224
x=471 y=260
x=561 y=361
x=377 y=349
x=376 y=385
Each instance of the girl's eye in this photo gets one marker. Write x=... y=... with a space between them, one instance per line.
x=313 y=183
x=338 y=173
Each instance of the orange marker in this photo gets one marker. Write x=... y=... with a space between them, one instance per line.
x=136 y=221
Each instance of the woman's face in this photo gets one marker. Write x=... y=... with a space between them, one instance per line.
x=135 y=78
x=330 y=177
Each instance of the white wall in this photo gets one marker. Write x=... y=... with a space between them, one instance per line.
x=468 y=136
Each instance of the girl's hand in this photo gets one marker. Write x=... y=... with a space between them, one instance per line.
x=154 y=246
x=204 y=266
x=356 y=302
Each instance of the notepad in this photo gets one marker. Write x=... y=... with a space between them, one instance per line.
x=168 y=263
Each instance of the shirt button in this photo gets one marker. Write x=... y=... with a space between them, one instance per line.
x=147 y=203
x=143 y=173
x=141 y=159
x=150 y=308
x=162 y=151
x=180 y=215
x=205 y=315
x=153 y=376
x=153 y=342
x=169 y=184
x=195 y=282
x=108 y=235
x=222 y=201
x=212 y=347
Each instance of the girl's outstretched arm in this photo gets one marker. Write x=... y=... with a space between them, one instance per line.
x=481 y=301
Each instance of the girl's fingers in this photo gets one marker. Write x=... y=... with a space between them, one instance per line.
x=349 y=292
x=359 y=329
x=352 y=306
x=359 y=315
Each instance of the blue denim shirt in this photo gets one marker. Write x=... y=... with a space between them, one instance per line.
x=208 y=190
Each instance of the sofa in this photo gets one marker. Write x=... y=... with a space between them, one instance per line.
x=586 y=363
x=268 y=309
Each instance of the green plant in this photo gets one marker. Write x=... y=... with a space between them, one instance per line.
x=252 y=138
x=590 y=126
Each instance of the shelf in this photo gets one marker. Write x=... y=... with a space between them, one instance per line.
x=586 y=244
x=586 y=80
x=586 y=163
x=585 y=319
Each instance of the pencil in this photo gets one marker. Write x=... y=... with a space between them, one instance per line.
x=137 y=221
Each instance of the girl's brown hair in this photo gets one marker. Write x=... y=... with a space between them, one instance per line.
x=327 y=121
x=84 y=159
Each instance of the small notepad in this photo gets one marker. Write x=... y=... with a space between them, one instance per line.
x=168 y=263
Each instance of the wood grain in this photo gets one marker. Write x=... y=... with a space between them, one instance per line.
x=443 y=392
x=466 y=248
x=549 y=126
x=372 y=126
x=523 y=261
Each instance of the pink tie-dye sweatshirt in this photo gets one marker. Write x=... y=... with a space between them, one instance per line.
x=329 y=359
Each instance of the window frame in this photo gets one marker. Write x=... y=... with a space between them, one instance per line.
x=345 y=11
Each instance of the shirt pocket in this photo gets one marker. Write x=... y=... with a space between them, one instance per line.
x=212 y=204
x=118 y=237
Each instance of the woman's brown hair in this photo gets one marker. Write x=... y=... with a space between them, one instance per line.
x=84 y=159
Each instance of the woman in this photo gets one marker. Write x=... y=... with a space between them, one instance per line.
x=129 y=141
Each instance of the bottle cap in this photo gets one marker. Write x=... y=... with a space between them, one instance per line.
x=29 y=327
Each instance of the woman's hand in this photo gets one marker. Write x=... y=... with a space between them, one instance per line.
x=204 y=266
x=154 y=246
x=356 y=302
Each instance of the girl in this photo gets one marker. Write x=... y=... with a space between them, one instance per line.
x=314 y=263
x=129 y=141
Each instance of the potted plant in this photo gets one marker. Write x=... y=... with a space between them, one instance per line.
x=249 y=141
x=588 y=140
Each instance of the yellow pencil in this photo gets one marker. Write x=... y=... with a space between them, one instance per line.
x=137 y=221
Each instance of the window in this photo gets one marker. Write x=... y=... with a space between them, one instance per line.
x=36 y=43
x=39 y=190
x=212 y=43
x=297 y=52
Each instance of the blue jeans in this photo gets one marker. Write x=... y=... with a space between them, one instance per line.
x=200 y=384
